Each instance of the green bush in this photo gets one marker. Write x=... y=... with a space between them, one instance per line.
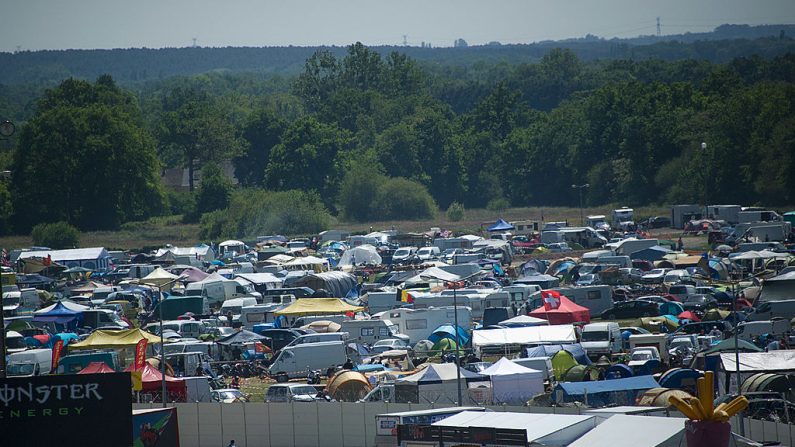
x=181 y=202
x=498 y=204
x=399 y=198
x=55 y=235
x=254 y=212
x=455 y=212
x=215 y=190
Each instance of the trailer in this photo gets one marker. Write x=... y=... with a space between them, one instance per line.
x=682 y=214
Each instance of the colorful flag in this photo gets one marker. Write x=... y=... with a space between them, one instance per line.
x=140 y=354
x=551 y=299
x=56 y=354
x=406 y=297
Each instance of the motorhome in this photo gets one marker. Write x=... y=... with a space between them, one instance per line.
x=23 y=301
x=623 y=214
x=185 y=328
x=258 y=314
x=596 y=298
x=729 y=213
x=219 y=290
x=381 y=301
x=370 y=331
x=771 y=309
x=419 y=324
x=750 y=330
x=235 y=305
x=525 y=227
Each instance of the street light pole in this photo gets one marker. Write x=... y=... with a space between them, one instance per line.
x=457 y=358
x=706 y=181
x=6 y=130
x=579 y=189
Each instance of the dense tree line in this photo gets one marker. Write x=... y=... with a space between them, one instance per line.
x=370 y=136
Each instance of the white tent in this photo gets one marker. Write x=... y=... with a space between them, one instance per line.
x=559 y=333
x=159 y=278
x=753 y=362
x=363 y=254
x=71 y=305
x=308 y=263
x=512 y=383
x=635 y=431
x=523 y=320
x=437 y=383
x=543 y=429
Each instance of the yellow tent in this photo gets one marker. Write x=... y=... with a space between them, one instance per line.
x=318 y=306
x=115 y=339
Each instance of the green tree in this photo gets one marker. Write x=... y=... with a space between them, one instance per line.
x=359 y=190
x=262 y=132
x=215 y=190
x=194 y=130
x=84 y=159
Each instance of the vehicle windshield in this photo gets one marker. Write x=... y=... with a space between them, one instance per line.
x=681 y=342
x=595 y=336
x=10 y=301
x=306 y=389
x=20 y=369
x=695 y=299
x=394 y=330
x=15 y=343
x=656 y=272
x=402 y=252
x=228 y=395
x=642 y=355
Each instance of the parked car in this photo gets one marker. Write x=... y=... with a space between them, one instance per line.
x=588 y=279
x=388 y=344
x=655 y=276
x=630 y=275
x=705 y=327
x=428 y=253
x=558 y=247
x=657 y=222
x=654 y=298
x=228 y=395
x=699 y=302
x=280 y=337
x=291 y=392
x=680 y=292
x=631 y=309
x=642 y=265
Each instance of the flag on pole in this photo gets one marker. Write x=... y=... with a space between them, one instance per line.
x=551 y=299
x=140 y=354
x=406 y=297
x=56 y=355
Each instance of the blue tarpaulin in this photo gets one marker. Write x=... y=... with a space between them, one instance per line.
x=500 y=225
x=604 y=392
x=59 y=314
x=447 y=331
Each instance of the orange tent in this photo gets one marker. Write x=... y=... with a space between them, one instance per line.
x=96 y=368
x=567 y=312
x=152 y=381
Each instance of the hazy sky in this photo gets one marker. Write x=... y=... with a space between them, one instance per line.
x=59 y=24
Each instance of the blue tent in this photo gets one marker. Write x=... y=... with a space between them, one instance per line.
x=618 y=371
x=500 y=225
x=447 y=331
x=605 y=392
x=651 y=254
x=575 y=349
x=680 y=378
x=59 y=314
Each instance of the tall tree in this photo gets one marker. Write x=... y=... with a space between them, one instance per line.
x=85 y=159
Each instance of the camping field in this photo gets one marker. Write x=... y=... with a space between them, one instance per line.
x=157 y=232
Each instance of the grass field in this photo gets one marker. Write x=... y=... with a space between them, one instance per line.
x=159 y=231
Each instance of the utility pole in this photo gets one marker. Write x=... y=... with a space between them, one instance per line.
x=405 y=41
x=194 y=39
x=658 y=27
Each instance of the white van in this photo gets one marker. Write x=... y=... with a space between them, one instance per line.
x=428 y=253
x=185 y=328
x=771 y=309
x=297 y=361
x=219 y=291
x=599 y=339
x=403 y=253
x=236 y=305
x=257 y=314
x=33 y=362
x=749 y=330
x=370 y=331
x=596 y=298
x=27 y=300
x=317 y=338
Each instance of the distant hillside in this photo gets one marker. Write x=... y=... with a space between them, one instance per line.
x=723 y=44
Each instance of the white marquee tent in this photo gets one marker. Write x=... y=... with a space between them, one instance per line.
x=512 y=383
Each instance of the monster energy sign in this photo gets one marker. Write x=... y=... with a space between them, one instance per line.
x=90 y=409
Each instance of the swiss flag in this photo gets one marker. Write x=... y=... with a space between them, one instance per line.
x=551 y=299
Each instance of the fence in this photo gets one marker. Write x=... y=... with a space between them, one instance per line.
x=343 y=424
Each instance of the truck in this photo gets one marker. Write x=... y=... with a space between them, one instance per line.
x=584 y=236
x=657 y=341
x=623 y=214
x=758 y=216
x=729 y=213
x=682 y=214
x=33 y=362
x=601 y=339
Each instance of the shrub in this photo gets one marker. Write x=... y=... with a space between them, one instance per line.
x=400 y=198
x=498 y=204
x=455 y=212
x=215 y=190
x=55 y=235
x=254 y=212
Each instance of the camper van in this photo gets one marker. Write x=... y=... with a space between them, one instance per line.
x=597 y=222
x=221 y=290
x=236 y=305
x=370 y=331
x=749 y=330
x=185 y=328
x=771 y=309
x=525 y=227
x=419 y=324
x=596 y=298
x=296 y=361
x=97 y=318
x=381 y=301
x=24 y=301
x=258 y=314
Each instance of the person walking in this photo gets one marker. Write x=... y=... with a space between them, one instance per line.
x=232 y=443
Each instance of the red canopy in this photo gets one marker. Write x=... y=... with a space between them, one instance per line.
x=568 y=312
x=688 y=315
x=152 y=381
x=96 y=368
